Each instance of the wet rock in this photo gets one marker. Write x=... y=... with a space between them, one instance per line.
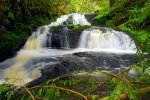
x=89 y=17
x=87 y=61
x=59 y=38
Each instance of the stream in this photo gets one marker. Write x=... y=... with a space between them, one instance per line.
x=50 y=53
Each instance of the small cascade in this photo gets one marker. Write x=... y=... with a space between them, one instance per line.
x=38 y=39
x=43 y=37
x=79 y=19
x=105 y=38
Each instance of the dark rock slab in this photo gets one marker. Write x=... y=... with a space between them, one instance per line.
x=88 y=61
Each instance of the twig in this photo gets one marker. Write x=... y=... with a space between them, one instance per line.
x=43 y=82
x=130 y=82
x=140 y=91
x=144 y=90
x=21 y=81
x=98 y=86
x=56 y=87
x=140 y=82
x=59 y=77
x=28 y=91
x=115 y=76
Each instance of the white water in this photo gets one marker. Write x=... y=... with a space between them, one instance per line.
x=114 y=40
x=35 y=47
x=39 y=39
x=76 y=18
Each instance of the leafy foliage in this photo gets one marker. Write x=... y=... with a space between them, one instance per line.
x=6 y=91
x=131 y=16
x=80 y=85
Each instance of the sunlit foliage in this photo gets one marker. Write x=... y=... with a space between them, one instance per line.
x=132 y=16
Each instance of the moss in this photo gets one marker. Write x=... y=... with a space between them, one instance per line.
x=71 y=26
x=55 y=27
x=74 y=34
x=74 y=28
x=69 y=20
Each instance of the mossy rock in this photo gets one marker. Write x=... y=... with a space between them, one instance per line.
x=74 y=33
x=55 y=27
x=69 y=20
x=74 y=28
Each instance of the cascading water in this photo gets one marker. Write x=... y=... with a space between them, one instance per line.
x=40 y=39
x=41 y=49
x=97 y=38
x=43 y=36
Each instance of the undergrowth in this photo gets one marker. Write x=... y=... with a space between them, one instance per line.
x=132 y=16
x=80 y=85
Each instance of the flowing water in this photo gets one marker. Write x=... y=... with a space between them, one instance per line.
x=41 y=48
x=110 y=39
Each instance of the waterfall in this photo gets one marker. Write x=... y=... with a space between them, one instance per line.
x=98 y=38
x=42 y=46
x=42 y=38
x=36 y=47
x=38 y=39
x=79 y=19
